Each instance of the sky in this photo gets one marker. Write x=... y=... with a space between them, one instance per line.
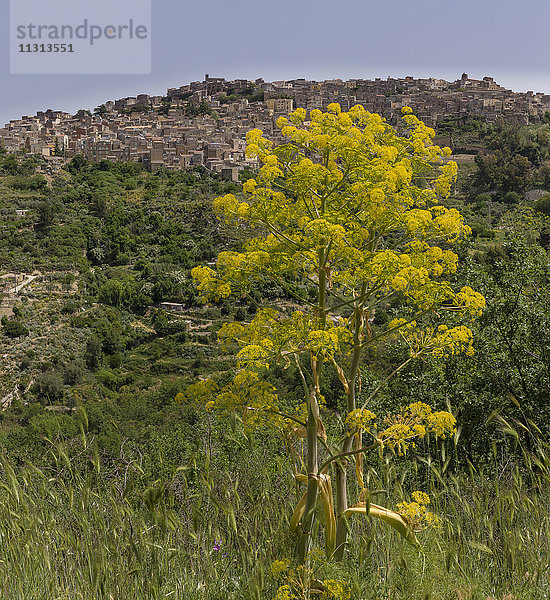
x=314 y=39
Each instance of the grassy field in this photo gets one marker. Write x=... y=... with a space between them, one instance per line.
x=76 y=528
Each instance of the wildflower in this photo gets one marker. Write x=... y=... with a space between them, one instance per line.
x=278 y=567
x=360 y=419
x=417 y=513
x=284 y=593
x=336 y=589
x=421 y=497
x=249 y=186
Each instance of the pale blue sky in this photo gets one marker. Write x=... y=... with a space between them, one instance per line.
x=318 y=39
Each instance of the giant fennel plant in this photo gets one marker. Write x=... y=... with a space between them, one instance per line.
x=346 y=215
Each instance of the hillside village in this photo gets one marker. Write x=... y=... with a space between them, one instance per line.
x=204 y=123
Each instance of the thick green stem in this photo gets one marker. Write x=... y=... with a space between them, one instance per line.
x=357 y=348
x=312 y=486
x=313 y=424
x=342 y=527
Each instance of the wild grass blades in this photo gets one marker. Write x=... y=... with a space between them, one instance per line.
x=74 y=534
x=71 y=530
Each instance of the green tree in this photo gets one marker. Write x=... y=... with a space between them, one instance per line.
x=48 y=386
x=338 y=214
x=510 y=370
x=10 y=165
x=13 y=329
x=500 y=172
x=101 y=110
x=92 y=352
x=516 y=174
x=46 y=214
x=542 y=205
x=58 y=150
x=76 y=164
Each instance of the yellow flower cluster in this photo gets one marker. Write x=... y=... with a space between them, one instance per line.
x=413 y=423
x=301 y=583
x=209 y=284
x=198 y=393
x=439 y=342
x=442 y=423
x=323 y=342
x=360 y=419
x=231 y=209
x=470 y=300
x=270 y=336
x=455 y=340
x=417 y=514
x=255 y=356
x=421 y=497
x=285 y=593
x=270 y=170
x=419 y=410
x=399 y=435
x=336 y=589
x=279 y=567
x=256 y=399
x=257 y=145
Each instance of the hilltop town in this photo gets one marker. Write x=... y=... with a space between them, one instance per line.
x=204 y=123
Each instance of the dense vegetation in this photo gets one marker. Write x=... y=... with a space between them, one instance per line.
x=111 y=489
